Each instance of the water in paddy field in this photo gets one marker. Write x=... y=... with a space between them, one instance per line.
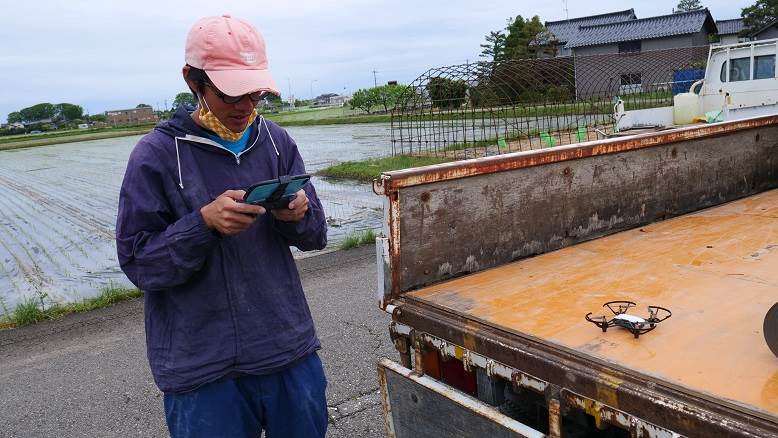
x=58 y=208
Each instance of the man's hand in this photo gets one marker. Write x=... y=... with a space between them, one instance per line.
x=228 y=215
x=296 y=210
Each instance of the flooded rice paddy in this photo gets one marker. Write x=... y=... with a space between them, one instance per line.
x=58 y=208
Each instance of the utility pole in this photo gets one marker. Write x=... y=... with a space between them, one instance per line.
x=375 y=81
x=290 y=97
x=312 y=81
x=564 y=8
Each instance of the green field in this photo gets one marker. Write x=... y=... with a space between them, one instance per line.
x=371 y=169
x=58 y=137
x=325 y=116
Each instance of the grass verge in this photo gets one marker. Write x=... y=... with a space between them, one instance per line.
x=30 y=311
x=345 y=120
x=368 y=170
x=73 y=136
x=358 y=238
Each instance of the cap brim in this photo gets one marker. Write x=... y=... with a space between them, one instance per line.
x=240 y=82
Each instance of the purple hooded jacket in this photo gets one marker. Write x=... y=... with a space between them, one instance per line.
x=215 y=305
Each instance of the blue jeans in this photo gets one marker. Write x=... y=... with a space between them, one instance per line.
x=290 y=403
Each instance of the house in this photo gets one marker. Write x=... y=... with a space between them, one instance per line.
x=134 y=116
x=331 y=99
x=553 y=41
x=642 y=49
x=729 y=31
x=38 y=123
x=683 y=29
x=769 y=31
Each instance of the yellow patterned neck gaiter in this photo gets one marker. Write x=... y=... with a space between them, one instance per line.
x=211 y=122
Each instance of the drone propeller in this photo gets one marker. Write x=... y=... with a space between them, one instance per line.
x=623 y=306
x=600 y=321
x=655 y=314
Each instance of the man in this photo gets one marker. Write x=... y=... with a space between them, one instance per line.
x=229 y=335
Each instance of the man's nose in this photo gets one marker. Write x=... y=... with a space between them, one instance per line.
x=245 y=104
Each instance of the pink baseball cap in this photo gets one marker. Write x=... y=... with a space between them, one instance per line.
x=232 y=53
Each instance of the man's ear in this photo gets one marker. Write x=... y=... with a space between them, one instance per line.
x=189 y=83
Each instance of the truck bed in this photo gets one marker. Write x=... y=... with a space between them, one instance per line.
x=716 y=270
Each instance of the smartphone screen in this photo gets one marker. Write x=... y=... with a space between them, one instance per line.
x=262 y=191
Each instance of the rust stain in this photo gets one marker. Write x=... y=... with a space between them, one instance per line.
x=468 y=338
x=694 y=265
x=607 y=390
x=592 y=408
x=394 y=180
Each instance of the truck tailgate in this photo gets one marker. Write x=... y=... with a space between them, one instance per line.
x=716 y=270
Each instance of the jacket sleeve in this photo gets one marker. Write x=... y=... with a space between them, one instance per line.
x=155 y=250
x=310 y=232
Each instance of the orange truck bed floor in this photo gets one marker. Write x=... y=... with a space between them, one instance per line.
x=716 y=270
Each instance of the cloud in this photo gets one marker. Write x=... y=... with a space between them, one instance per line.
x=106 y=55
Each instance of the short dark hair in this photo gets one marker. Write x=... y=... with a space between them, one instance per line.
x=198 y=75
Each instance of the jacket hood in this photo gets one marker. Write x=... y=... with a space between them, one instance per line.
x=182 y=127
x=182 y=124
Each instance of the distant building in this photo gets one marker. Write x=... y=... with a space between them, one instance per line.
x=767 y=32
x=622 y=32
x=683 y=29
x=331 y=99
x=729 y=31
x=553 y=41
x=134 y=116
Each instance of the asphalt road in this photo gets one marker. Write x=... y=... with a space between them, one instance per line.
x=87 y=375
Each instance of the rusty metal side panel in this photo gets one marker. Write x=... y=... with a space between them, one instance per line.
x=612 y=388
x=449 y=228
x=421 y=407
x=394 y=180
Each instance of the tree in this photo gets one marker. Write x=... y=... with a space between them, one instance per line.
x=494 y=49
x=521 y=32
x=762 y=13
x=15 y=117
x=446 y=93
x=514 y=41
x=364 y=99
x=68 y=111
x=688 y=5
x=185 y=98
x=389 y=95
x=143 y=105
x=37 y=112
x=97 y=118
x=272 y=99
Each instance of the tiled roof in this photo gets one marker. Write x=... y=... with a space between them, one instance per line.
x=683 y=23
x=730 y=27
x=563 y=30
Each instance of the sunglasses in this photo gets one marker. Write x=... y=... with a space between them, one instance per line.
x=255 y=97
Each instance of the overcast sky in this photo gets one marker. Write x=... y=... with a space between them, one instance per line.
x=116 y=54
